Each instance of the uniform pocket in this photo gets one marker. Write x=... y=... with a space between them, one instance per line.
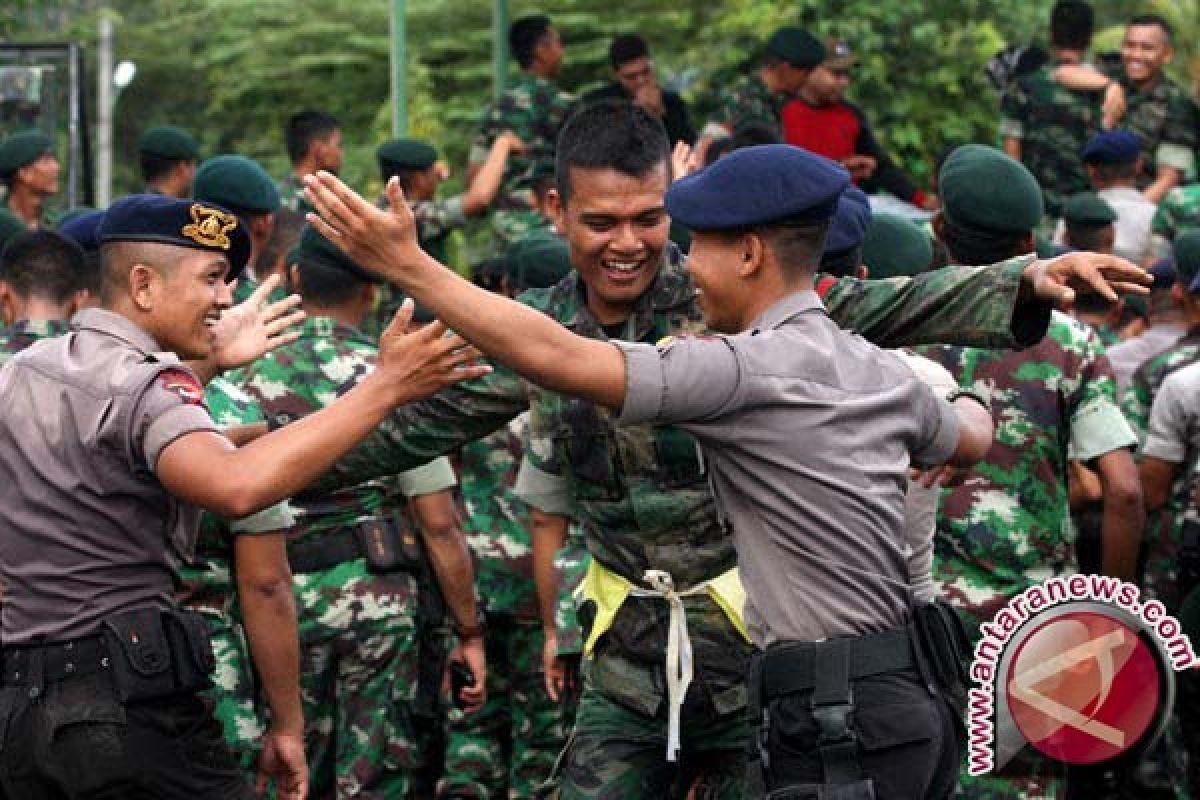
x=87 y=735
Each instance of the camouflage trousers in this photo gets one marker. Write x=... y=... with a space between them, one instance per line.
x=508 y=747
x=233 y=693
x=358 y=677
x=616 y=753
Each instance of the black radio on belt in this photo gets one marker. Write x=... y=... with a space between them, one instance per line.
x=389 y=544
x=155 y=653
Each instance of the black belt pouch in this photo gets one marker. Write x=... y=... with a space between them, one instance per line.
x=191 y=650
x=140 y=655
x=389 y=545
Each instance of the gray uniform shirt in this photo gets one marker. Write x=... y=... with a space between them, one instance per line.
x=808 y=433
x=1130 y=354
x=1173 y=433
x=88 y=529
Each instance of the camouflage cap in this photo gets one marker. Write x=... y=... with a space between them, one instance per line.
x=796 y=46
x=182 y=223
x=22 y=149
x=406 y=154
x=896 y=246
x=538 y=260
x=1088 y=209
x=316 y=249
x=1187 y=260
x=238 y=183
x=984 y=189
x=10 y=226
x=168 y=141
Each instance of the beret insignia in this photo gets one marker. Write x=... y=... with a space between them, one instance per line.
x=210 y=226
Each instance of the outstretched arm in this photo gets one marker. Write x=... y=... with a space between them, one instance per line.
x=517 y=336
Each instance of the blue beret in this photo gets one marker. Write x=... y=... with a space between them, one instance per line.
x=84 y=230
x=1163 y=272
x=850 y=221
x=758 y=185
x=237 y=183
x=182 y=223
x=1112 y=147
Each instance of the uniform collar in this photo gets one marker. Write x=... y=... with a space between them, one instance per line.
x=318 y=327
x=786 y=308
x=120 y=327
x=672 y=288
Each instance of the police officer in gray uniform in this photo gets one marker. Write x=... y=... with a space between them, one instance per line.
x=107 y=455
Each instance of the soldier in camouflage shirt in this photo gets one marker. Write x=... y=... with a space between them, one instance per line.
x=1002 y=526
x=508 y=747
x=757 y=100
x=44 y=279
x=534 y=109
x=240 y=569
x=1045 y=125
x=641 y=494
x=359 y=658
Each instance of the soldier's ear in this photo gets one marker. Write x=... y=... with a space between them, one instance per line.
x=556 y=208
x=939 y=227
x=142 y=279
x=754 y=253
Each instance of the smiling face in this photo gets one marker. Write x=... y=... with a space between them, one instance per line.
x=1145 y=50
x=713 y=262
x=186 y=299
x=616 y=226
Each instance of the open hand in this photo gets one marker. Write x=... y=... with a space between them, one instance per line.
x=379 y=240
x=426 y=361
x=1058 y=279
x=253 y=328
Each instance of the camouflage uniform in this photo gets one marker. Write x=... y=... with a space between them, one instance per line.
x=208 y=587
x=25 y=332
x=642 y=499
x=358 y=652
x=1003 y=526
x=534 y=109
x=508 y=747
x=748 y=104
x=1053 y=124
x=1164 y=526
x=1164 y=118
x=1178 y=213
x=246 y=286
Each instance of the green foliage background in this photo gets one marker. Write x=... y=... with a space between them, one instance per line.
x=232 y=70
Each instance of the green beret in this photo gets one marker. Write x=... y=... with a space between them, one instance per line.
x=238 y=183
x=796 y=46
x=895 y=246
x=167 y=141
x=1088 y=209
x=406 y=154
x=1186 y=250
x=316 y=249
x=10 y=226
x=22 y=149
x=984 y=189
x=538 y=260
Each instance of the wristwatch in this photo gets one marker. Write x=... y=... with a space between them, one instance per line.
x=473 y=631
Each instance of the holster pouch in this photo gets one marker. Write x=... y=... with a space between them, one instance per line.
x=156 y=653
x=389 y=544
x=943 y=641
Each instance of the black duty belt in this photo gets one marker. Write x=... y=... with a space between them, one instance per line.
x=39 y=664
x=323 y=551
x=789 y=667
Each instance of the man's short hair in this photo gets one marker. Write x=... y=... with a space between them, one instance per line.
x=1116 y=172
x=524 y=35
x=1086 y=237
x=327 y=286
x=156 y=167
x=305 y=127
x=44 y=264
x=611 y=134
x=627 y=47
x=1154 y=19
x=1071 y=25
x=973 y=247
x=797 y=246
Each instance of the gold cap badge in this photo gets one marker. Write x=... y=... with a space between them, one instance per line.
x=210 y=226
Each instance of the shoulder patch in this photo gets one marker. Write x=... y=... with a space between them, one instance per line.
x=183 y=384
x=824 y=285
x=665 y=344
